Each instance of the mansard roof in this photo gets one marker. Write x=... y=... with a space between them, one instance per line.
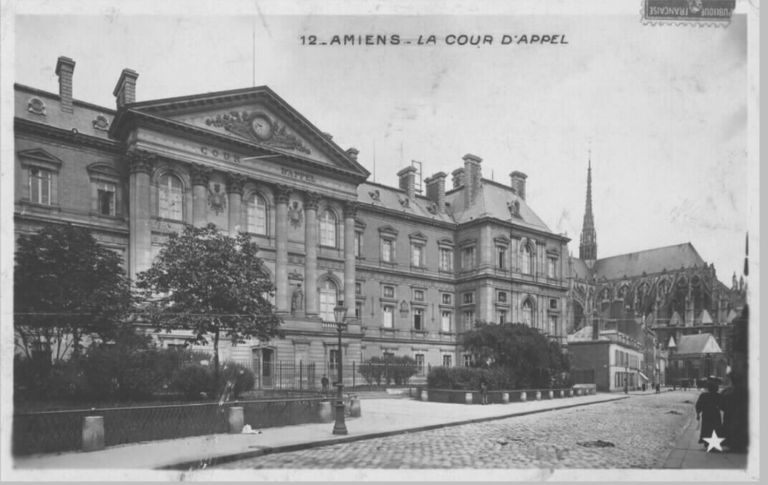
x=381 y=196
x=650 y=261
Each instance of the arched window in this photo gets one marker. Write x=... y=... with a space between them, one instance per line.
x=256 y=212
x=328 y=229
x=329 y=296
x=170 y=197
x=528 y=313
x=527 y=260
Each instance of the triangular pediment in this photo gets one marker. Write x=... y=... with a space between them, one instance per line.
x=256 y=117
x=39 y=156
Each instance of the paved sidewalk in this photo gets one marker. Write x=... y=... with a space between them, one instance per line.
x=380 y=417
x=689 y=454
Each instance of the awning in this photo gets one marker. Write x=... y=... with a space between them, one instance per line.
x=645 y=378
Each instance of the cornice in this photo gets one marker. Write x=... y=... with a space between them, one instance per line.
x=68 y=136
x=522 y=229
x=41 y=218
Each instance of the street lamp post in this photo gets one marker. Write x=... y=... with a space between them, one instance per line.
x=340 y=314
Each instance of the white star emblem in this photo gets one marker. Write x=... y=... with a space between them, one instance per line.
x=714 y=442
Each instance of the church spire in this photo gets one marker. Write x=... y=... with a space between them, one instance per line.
x=588 y=246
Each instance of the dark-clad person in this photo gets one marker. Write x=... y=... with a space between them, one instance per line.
x=735 y=414
x=708 y=408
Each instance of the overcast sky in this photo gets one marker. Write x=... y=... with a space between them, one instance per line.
x=663 y=108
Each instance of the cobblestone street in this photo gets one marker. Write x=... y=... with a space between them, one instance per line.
x=632 y=433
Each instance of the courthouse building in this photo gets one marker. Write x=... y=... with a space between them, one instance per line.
x=414 y=267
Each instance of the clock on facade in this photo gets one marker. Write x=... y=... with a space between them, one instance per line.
x=262 y=127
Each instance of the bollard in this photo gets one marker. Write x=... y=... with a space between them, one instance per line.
x=236 y=419
x=468 y=398
x=523 y=396
x=354 y=407
x=538 y=395
x=424 y=395
x=93 y=433
x=551 y=394
x=505 y=397
x=325 y=412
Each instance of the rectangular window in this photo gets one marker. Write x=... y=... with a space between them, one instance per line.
x=468 y=298
x=445 y=321
x=501 y=316
x=447 y=299
x=553 y=303
x=333 y=358
x=388 y=250
x=446 y=259
x=469 y=319
x=446 y=360
x=501 y=257
x=358 y=244
x=418 y=319
x=417 y=255
x=358 y=309
x=468 y=258
x=358 y=288
x=389 y=316
x=40 y=185
x=501 y=296
x=467 y=360
x=551 y=268
x=388 y=292
x=418 y=295
x=552 y=325
x=105 y=199
x=419 y=358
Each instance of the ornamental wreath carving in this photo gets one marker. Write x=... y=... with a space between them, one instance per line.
x=217 y=199
x=295 y=214
x=257 y=126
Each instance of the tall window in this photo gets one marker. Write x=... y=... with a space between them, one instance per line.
x=501 y=316
x=328 y=229
x=446 y=259
x=527 y=260
x=469 y=319
x=501 y=257
x=40 y=185
x=417 y=255
x=528 y=313
x=389 y=316
x=358 y=244
x=419 y=358
x=358 y=309
x=467 y=360
x=105 y=198
x=388 y=250
x=551 y=267
x=446 y=360
x=170 y=197
x=468 y=257
x=333 y=357
x=256 y=212
x=552 y=330
x=418 y=319
x=329 y=296
x=445 y=321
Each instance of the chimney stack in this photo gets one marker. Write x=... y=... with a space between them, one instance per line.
x=473 y=176
x=408 y=181
x=436 y=190
x=458 y=178
x=518 y=183
x=352 y=153
x=65 y=67
x=125 y=89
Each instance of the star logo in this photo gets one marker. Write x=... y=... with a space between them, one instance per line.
x=714 y=442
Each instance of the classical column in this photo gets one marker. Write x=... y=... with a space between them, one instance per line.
x=281 y=259
x=311 y=201
x=350 y=210
x=200 y=175
x=140 y=241
x=235 y=194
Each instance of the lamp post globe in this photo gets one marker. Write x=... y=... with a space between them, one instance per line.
x=340 y=315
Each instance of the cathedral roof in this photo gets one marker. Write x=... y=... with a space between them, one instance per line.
x=703 y=343
x=580 y=269
x=494 y=200
x=649 y=261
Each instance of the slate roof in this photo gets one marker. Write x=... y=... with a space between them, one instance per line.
x=649 y=261
x=703 y=343
x=492 y=201
x=580 y=269
x=390 y=197
x=584 y=334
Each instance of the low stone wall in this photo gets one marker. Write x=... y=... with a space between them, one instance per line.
x=56 y=431
x=459 y=396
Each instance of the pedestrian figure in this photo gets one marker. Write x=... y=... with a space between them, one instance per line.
x=708 y=408
x=483 y=391
x=324 y=383
x=626 y=386
x=658 y=388
x=735 y=413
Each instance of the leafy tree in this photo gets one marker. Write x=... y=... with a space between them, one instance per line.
x=67 y=286
x=521 y=350
x=212 y=284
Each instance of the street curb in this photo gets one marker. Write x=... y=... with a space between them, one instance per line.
x=679 y=443
x=192 y=465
